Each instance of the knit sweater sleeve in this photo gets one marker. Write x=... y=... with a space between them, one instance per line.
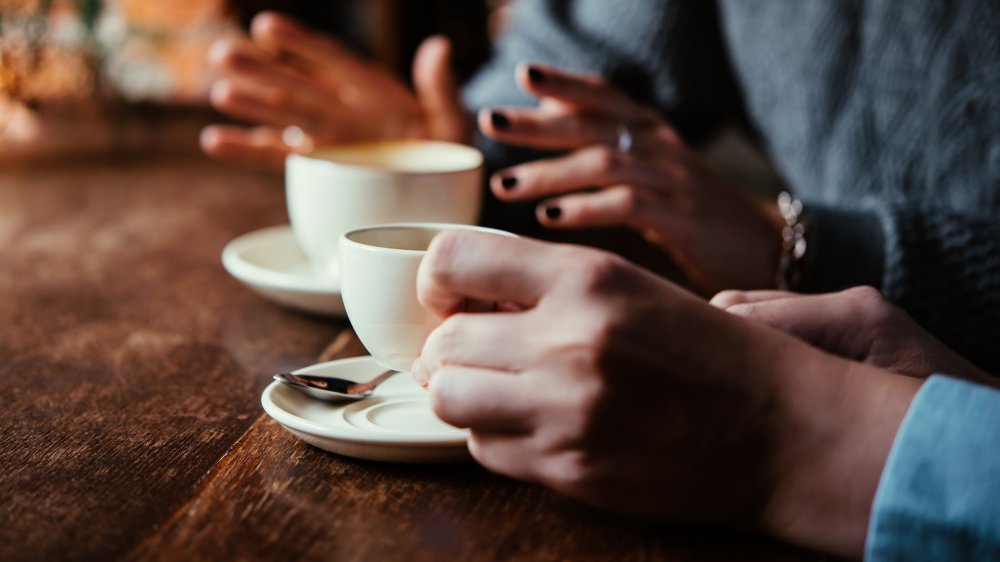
x=941 y=266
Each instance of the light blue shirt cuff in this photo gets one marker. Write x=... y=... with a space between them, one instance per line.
x=939 y=495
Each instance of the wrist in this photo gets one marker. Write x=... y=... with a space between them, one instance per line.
x=842 y=418
x=773 y=224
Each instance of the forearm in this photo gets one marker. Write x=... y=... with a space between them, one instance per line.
x=826 y=425
x=842 y=418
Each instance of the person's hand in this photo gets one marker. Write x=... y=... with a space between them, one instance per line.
x=859 y=324
x=287 y=75
x=614 y=386
x=720 y=235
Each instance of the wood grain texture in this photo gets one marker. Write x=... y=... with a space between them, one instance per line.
x=131 y=368
x=116 y=318
x=275 y=498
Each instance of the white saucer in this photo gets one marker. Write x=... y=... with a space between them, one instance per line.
x=395 y=425
x=270 y=262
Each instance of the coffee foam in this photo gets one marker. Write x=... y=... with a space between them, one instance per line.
x=411 y=238
x=404 y=156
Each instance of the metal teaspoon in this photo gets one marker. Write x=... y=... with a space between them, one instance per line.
x=332 y=389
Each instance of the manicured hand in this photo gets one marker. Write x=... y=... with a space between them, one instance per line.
x=722 y=236
x=858 y=324
x=287 y=75
x=618 y=388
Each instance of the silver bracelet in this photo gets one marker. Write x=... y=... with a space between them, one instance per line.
x=793 y=243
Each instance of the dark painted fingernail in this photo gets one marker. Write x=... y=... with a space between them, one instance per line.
x=553 y=212
x=535 y=75
x=508 y=182
x=499 y=120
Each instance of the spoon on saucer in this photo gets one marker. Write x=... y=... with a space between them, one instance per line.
x=332 y=389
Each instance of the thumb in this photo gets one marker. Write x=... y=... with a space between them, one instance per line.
x=437 y=91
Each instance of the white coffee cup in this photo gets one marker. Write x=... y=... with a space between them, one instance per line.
x=339 y=188
x=378 y=280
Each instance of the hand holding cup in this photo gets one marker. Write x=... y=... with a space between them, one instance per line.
x=378 y=276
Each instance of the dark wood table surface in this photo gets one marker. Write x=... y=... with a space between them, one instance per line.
x=131 y=367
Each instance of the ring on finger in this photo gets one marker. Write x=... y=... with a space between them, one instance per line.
x=624 y=139
x=297 y=139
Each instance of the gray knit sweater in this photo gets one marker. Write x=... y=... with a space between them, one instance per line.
x=883 y=115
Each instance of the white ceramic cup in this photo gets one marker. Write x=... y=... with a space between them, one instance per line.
x=339 y=188
x=378 y=280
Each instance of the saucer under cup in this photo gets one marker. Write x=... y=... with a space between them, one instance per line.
x=396 y=424
x=270 y=262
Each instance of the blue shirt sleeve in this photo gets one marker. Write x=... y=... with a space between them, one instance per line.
x=939 y=495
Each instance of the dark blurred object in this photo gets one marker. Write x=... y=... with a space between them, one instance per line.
x=390 y=30
x=347 y=19
x=462 y=21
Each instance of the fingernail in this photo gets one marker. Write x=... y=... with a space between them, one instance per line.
x=553 y=212
x=417 y=372
x=508 y=182
x=499 y=120
x=535 y=75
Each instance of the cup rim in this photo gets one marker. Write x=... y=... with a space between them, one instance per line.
x=344 y=240
x=312 y=159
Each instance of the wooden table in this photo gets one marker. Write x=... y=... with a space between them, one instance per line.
x=131 y=367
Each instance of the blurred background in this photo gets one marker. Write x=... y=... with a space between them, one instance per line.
x=84 y=76
x=94 y=75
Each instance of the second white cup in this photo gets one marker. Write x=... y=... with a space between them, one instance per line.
x=343 y=187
